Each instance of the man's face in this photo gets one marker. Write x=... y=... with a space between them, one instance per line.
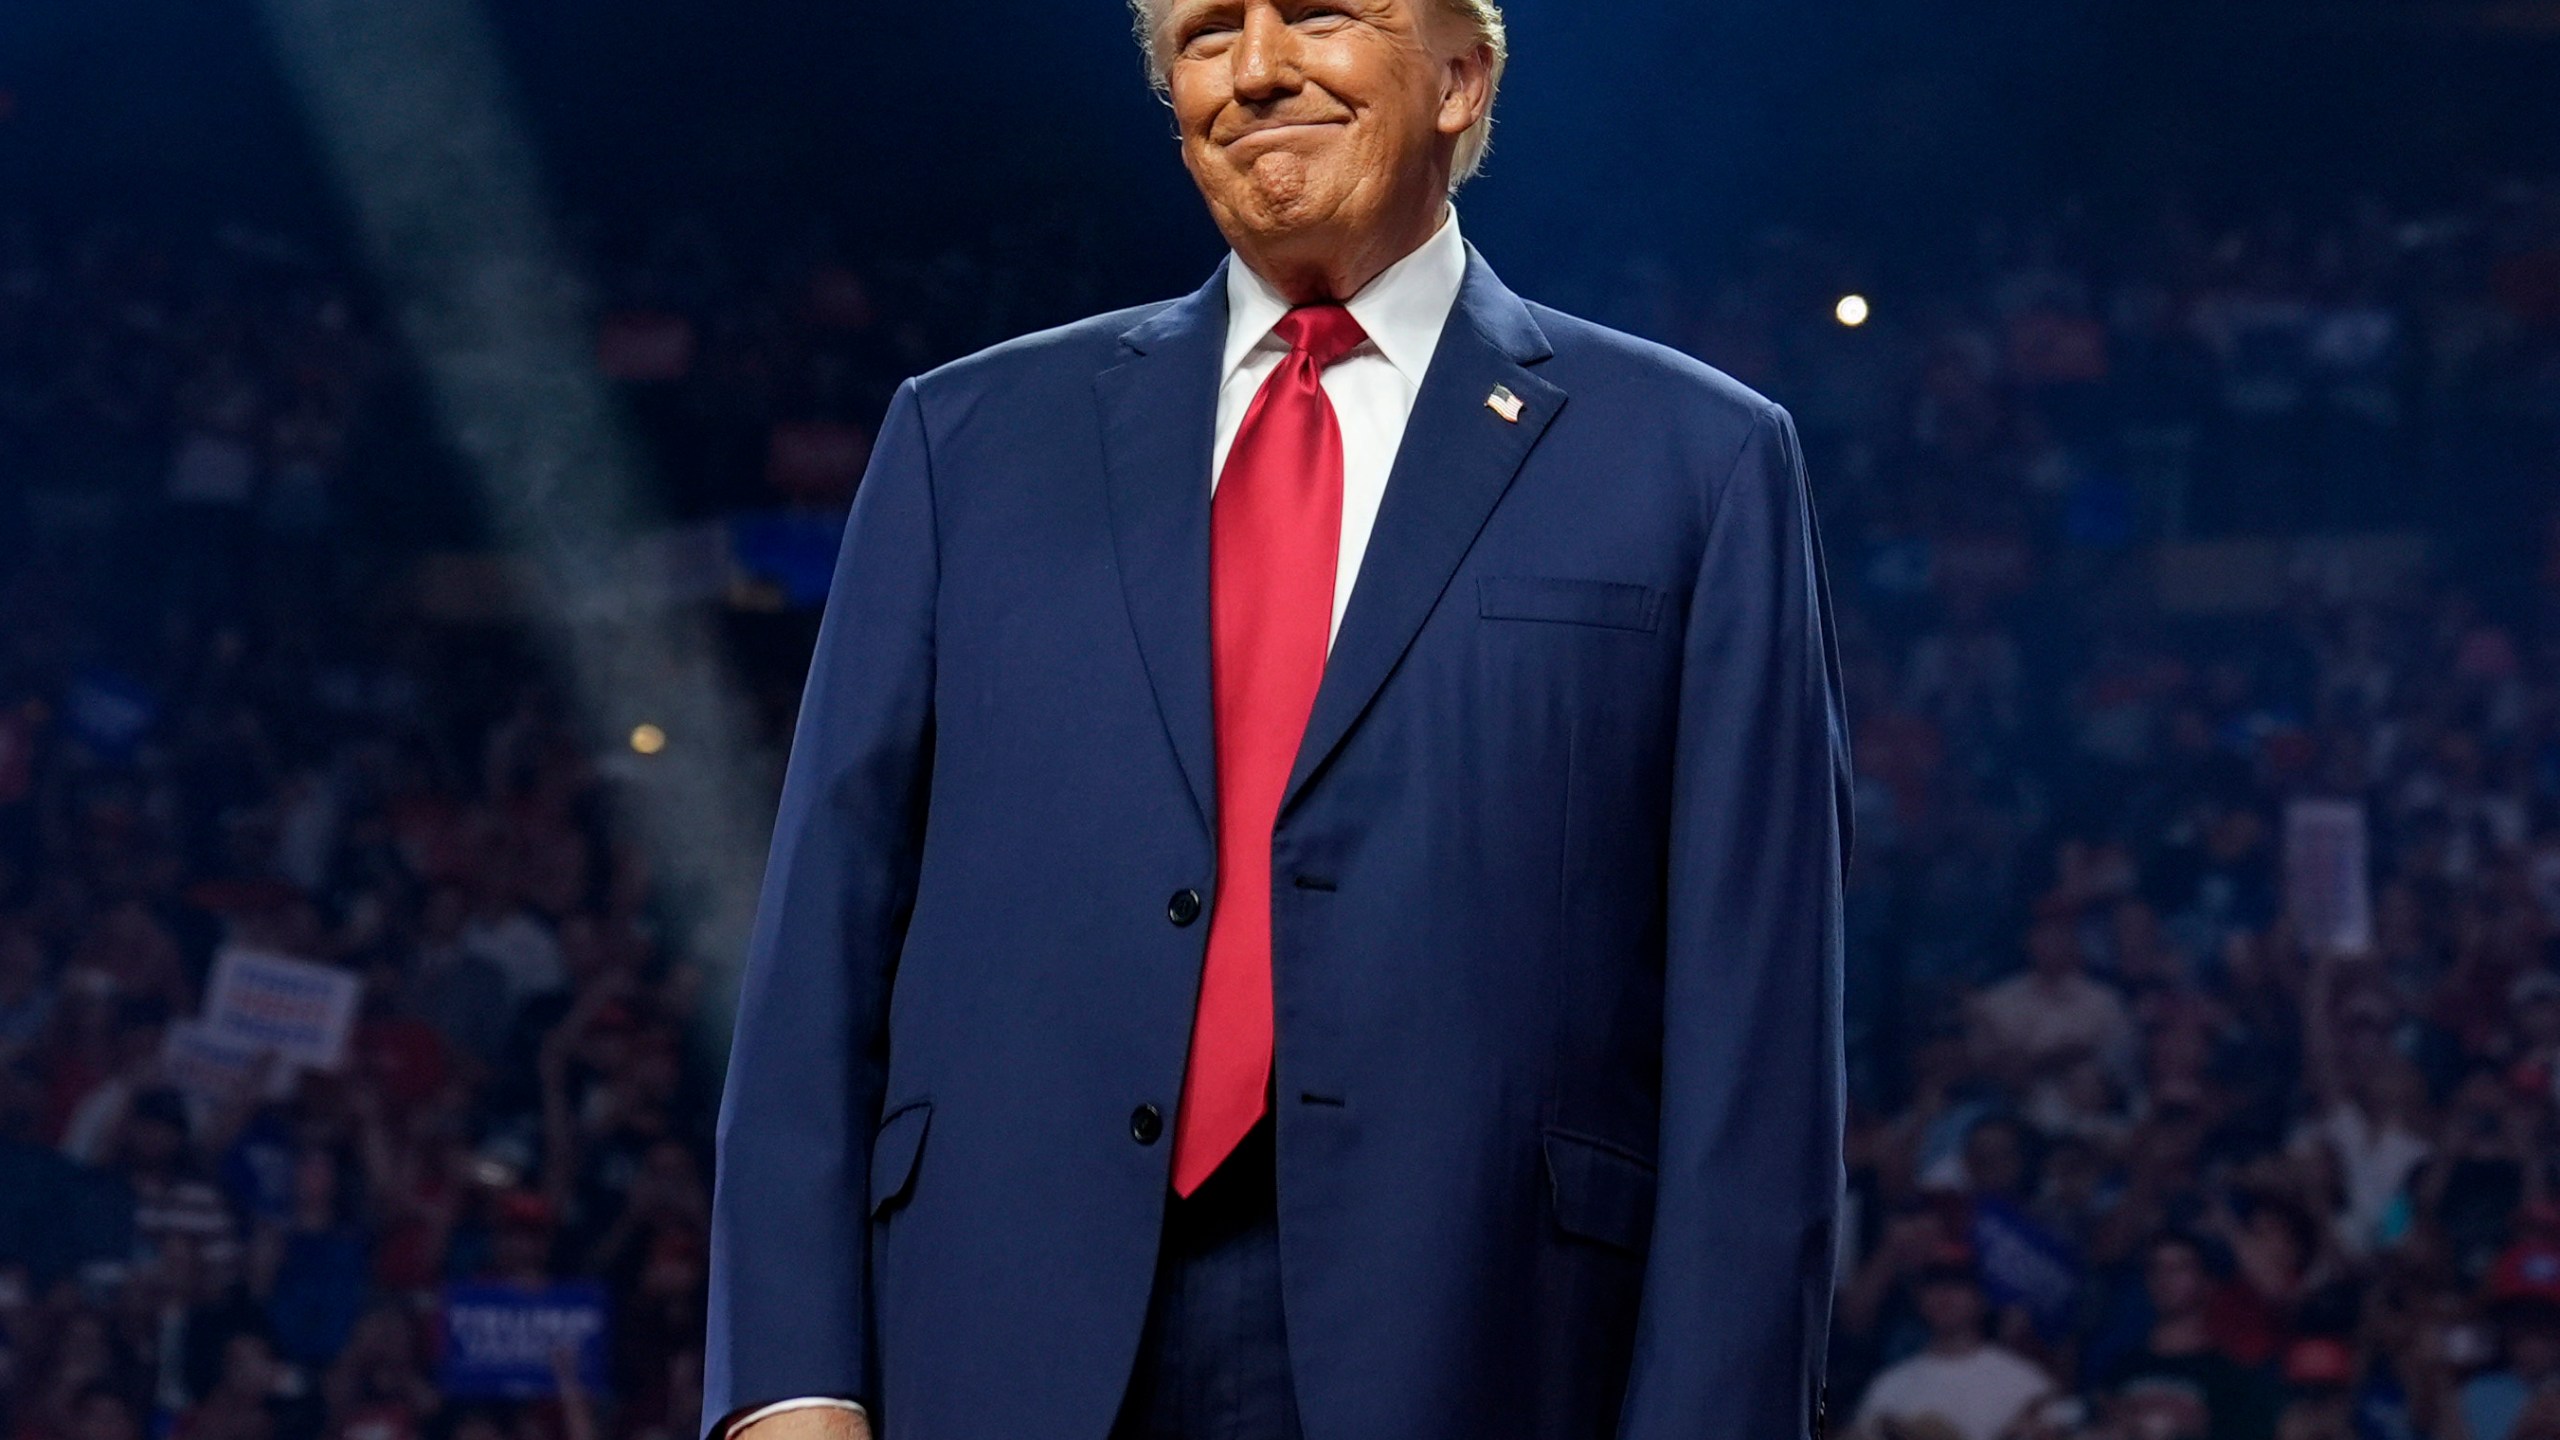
x=1952 y=1305
x=152 y=1146
x=2177 y=1280
x=1315 y=118
x=2053 y=948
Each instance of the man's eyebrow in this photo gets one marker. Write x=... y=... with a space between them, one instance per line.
x=1188 y=10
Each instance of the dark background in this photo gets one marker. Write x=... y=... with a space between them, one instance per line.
x=1646 y=126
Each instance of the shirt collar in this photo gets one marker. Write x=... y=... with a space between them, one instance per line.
x=1403 y=310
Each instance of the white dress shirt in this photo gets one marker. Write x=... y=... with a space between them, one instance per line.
x=1372 y=389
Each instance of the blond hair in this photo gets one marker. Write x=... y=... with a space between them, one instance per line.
x=1484 y=16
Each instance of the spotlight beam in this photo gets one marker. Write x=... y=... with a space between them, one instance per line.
x=412 y=107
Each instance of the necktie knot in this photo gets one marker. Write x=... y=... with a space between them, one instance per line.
x=1325 y=332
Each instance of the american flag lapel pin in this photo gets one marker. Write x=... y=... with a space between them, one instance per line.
x=1503 y=403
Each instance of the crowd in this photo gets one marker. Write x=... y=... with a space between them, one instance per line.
x=2159 y=1132
x=2133 y=1156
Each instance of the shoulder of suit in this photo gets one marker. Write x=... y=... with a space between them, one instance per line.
x=1593 y=354
x=1085 y=347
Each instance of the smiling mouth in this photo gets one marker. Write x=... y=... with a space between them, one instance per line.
x=1294 y=127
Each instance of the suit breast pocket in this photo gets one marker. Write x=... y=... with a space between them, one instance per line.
x=1608 y=604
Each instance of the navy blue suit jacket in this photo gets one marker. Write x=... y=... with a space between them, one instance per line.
x=1556 y=922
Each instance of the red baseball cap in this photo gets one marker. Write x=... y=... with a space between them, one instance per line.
x=2530 y=1270
x=524 y=1210
x=1948 y=1260
x=2319 y=1360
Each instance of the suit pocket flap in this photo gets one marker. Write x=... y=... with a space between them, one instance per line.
x=1600 y=1191
x=1608 y=603
x=894 y=1152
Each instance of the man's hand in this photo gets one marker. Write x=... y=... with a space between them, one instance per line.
x=821 y=1422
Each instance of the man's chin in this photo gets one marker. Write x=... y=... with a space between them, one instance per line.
x=1278 y=199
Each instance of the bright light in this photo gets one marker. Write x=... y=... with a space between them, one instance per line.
x=1852 y=310
x=648 y=739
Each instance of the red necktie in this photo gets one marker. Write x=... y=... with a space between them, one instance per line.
x=1275 y=538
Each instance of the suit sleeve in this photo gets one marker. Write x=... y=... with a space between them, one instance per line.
x=790 y=1240
x=1735 y=1317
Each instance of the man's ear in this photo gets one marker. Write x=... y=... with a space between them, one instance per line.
x=1467 y=89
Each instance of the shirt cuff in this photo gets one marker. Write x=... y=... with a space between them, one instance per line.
x=806 y=1402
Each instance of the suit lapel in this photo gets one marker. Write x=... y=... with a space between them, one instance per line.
x=1159 y=420
x=1458 y=458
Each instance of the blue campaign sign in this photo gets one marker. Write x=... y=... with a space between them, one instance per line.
x=109 y=711
x=2024 y=1264
x=792 y=551
x=499 y=1340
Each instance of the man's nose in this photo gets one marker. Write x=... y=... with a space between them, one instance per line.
x=1266 y=62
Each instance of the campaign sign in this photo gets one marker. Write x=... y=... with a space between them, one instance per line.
x=791 y=551
x=2327 y=882
x=2023 y=1264
x=500 y=1340
x=205 y=1063
x=300 y=1011
x=110 y=712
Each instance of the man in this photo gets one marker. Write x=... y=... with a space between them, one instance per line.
x=2524 y=1295
x=2320 y=1390
x=1307 y=896
x=1977 y=1389
x=2040 y=1020
x=2181 y=1385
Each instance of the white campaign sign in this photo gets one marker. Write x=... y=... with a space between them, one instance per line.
x=300 y=1011
x=2327 y=883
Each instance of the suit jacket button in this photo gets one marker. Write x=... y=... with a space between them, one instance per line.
x=1184 y=907
x=1146 y=1124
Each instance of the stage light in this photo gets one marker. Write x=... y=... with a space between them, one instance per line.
x=1852 y=311
x=648 y=740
